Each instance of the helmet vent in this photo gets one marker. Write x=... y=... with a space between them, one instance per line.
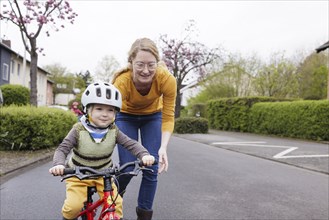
x=87 y=92
x=116 y=95
x=108 y=93
x=98 y=92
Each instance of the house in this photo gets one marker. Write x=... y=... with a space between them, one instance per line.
x=189 y=91
x=14 y=69
x=322 y=47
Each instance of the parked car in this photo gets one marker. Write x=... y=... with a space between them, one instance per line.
x=59 y=106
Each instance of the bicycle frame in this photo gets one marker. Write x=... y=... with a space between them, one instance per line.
x=108 y=210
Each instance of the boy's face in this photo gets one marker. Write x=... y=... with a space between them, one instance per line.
x=102 y=115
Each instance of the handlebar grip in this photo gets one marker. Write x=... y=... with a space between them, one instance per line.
x=69 y=171
x=154 y=163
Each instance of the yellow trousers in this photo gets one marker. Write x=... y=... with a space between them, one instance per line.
x=76 y=195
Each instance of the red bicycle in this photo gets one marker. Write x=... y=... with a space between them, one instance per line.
x=90 y=207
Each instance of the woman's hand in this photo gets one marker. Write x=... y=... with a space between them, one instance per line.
x=57 y=170
x=163 y=160
x=148 y=160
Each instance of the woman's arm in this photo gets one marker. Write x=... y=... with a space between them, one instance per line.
x=163 y=157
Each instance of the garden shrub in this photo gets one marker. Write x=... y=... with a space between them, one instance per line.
x=33 y=128
x=192 y=125
x=15 y=94
x=231 y=114
x=298 y=119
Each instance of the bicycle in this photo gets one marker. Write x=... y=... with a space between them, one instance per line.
x=90 y=207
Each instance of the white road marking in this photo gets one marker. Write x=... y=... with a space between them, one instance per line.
x=233 y=143
x=281 y=155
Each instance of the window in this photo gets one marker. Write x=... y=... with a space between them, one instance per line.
x=12 y=68
x=5 y=70
x=61 y=86
x=18 y=69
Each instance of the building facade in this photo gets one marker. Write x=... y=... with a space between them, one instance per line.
x=16 y=70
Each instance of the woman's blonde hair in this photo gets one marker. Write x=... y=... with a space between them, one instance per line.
x=141 y=44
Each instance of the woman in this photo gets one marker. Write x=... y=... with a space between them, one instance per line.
x=148 y=111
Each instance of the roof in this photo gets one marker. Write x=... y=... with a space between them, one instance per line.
x=322 y=47
x=20 y=56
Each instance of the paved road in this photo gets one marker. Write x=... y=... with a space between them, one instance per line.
x=203 y=182
x=306 y=154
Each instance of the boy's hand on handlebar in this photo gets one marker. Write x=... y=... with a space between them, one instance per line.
x=57 y=170
x=148 y=160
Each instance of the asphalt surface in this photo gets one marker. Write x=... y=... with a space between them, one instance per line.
x=203 y=182
x=310 y=155
x=305 y=154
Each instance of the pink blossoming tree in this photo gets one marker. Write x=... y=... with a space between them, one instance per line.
x=187 y=59
x=31 y=16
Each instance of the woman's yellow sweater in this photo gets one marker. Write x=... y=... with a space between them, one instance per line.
x=162 y=96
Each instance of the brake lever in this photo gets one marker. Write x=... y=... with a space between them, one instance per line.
x=147 y=169
x=67 y=176
x=77 y=174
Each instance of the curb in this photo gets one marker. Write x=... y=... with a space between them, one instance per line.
x=27 y=165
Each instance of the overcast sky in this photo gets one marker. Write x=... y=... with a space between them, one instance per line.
x=246 y=27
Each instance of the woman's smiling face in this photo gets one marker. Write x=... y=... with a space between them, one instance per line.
x=144 y=67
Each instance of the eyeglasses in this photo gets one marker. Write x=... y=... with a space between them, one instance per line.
x=150 y=66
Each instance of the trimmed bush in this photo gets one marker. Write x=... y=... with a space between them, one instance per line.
x=33 y=128
x=15 y=94
x=231 y=114
x=298 y=119
x=191 y=125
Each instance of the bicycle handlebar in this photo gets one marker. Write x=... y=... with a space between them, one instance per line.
x=80 y=172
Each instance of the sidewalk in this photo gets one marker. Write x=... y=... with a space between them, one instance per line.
x=11 y=161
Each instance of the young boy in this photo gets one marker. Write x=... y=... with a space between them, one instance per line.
x=92 y=141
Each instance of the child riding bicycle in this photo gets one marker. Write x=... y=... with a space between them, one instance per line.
x=92 y=141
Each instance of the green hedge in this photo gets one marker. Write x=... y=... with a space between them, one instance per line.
x=185 y=125
x=32 y=128
x=232 y=114
x=298 y=119
x=15 y=94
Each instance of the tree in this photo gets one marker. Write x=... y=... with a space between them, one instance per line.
x=231 y=79
x=38 y=15
x=106 y=68
x=238 y=73
x=86 y=77
x=186 y=58
x=278 y=78
x=56 y=70
x=312 y=76
x=65 y=82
